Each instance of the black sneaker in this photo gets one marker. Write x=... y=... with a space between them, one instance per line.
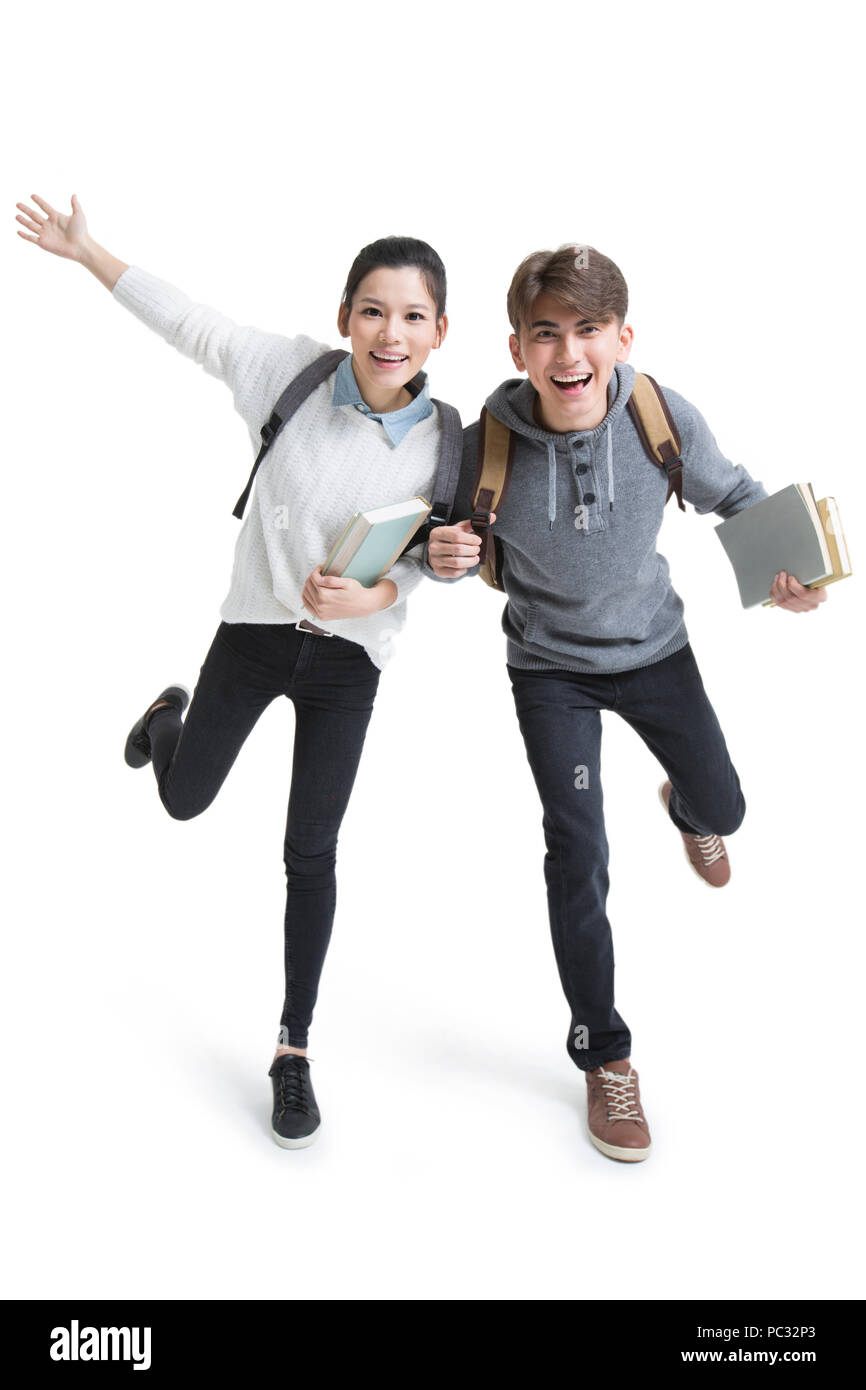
x=137 y=750
x=296 y=1119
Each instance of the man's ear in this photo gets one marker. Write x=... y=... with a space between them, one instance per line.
x=343 y=321
x=516 y=357
x=626 y=338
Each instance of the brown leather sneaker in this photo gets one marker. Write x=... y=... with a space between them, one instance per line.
x=617 y=1125
x=706 y=853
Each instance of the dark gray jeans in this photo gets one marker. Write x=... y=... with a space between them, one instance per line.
x=559 y=716
x=332 y=684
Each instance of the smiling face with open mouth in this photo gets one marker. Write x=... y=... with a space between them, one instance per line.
x=393 y=327
x=569 y=361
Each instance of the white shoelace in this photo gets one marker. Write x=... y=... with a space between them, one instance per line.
x=619 y=1090
x=710 y=847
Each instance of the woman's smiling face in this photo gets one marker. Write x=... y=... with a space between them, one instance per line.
x=393 y=327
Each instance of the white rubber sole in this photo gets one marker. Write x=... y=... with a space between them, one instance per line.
x=302 y=1143
x=614 y=1151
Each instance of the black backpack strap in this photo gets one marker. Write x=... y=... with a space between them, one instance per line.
x=416 y=385
x=294 y=396
x=450 y=460
x=447 y=473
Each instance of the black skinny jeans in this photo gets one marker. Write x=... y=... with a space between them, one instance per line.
x=559 y=716
x=332 y=684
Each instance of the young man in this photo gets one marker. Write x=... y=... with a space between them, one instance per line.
x=593 y=623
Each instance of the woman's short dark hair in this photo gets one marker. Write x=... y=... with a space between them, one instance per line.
x=394 y=252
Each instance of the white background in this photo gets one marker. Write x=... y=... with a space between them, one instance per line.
x=245 y=155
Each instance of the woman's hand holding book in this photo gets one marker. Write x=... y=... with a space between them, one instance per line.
x=327 y=597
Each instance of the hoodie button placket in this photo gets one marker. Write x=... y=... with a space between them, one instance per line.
x=581 y=469
x=588 y=517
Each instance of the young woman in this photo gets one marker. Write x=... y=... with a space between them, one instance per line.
x=366 y=436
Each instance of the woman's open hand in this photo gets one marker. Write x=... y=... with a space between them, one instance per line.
x=63 y=234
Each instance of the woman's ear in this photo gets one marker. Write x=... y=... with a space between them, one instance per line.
x=343 y=321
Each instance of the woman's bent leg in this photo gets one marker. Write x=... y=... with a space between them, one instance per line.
x=333 y=699
x=241 y=674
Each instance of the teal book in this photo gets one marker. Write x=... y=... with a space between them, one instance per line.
x=374 y=539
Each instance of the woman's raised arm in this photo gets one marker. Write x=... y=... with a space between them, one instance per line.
x=66 y=235
x=254 y=365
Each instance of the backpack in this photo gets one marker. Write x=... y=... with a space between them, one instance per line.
x=450 y=452
x=657 y=433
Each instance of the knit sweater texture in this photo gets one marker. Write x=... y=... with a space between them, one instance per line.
x=586 y=588
x=326 y=464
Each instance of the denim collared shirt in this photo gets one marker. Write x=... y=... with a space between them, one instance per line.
x=395 y=423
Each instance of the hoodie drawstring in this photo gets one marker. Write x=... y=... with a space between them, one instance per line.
x=610 y=465
x=551 y=482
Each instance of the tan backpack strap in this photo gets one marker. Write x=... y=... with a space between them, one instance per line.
x=657 y=432
x=495 y=461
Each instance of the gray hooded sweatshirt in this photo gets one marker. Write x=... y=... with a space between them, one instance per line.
x=587 y=589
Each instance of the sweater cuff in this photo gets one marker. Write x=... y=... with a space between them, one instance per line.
x=406 y=574
x=440 y=578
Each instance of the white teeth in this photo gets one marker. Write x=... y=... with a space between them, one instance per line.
x=583 y=377
x=391 y=356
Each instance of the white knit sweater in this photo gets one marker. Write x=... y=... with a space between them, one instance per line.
x=327 y=463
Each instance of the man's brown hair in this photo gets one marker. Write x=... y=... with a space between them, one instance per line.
x=587 y=282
